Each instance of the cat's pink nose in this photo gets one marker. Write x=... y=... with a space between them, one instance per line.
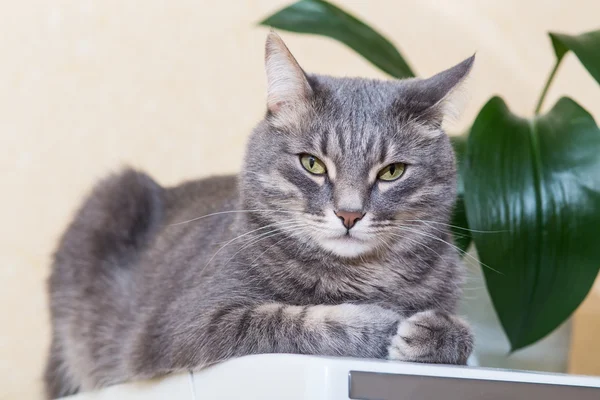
x=349 y=218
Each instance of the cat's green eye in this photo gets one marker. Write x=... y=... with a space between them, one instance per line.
x=392 y=172
x=312 y=164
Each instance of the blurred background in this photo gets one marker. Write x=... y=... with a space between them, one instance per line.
x=175 y=87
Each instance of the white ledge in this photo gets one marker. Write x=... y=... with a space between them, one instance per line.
x=297 y=377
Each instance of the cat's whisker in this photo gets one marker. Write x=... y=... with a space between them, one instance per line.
x=279 y=223
x=250 y=238
x=432 y=237
x=454 y=226
x=478 y=288
x=254 y=241
x=441 y=230
x=466 y=254
x=242 y=235
x=236 y=211
x=417 y=243
x=283 y=229
x=469 y=277
x=263 y=236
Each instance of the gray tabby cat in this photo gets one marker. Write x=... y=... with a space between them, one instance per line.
x=333 y=240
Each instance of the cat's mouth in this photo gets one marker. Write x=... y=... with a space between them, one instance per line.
x=347 y=245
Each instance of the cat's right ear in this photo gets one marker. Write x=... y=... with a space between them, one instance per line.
x=286 y=82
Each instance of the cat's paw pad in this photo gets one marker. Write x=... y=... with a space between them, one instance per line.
x=432 y=336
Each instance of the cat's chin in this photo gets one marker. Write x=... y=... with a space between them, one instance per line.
x=347 y=247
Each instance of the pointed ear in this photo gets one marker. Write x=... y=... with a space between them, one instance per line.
x=286 y=82
x=439 y=96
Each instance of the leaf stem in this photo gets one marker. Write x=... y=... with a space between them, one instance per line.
x=538 y=108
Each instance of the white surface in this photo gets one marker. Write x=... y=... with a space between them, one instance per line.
x=296 y=377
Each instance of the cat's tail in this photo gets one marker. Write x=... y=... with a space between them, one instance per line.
x=118 y=217
x=89 y=279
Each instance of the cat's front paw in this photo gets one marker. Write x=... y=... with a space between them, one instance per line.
x=433 y=337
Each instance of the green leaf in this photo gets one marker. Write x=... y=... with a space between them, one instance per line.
x=460 y=226
x=538 y=183
x=322 y=18
x=585 y=46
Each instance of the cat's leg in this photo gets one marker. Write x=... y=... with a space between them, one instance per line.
x=432 y=336
x=350 y=330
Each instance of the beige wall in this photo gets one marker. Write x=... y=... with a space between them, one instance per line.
x=174 y=87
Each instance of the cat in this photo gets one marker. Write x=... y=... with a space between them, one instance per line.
x=332 y=240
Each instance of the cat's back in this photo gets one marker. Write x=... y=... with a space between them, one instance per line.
x=192 y=200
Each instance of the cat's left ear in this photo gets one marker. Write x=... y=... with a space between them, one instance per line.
x=286 y=82
x=439 y=97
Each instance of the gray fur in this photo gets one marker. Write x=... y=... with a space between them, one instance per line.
x=142 y=287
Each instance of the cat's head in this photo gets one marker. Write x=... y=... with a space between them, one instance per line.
x=348 y=165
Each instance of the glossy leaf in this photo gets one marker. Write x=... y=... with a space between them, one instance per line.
x=322 y=18
x=460 y=226
x=538 y=182
x=585 y=46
